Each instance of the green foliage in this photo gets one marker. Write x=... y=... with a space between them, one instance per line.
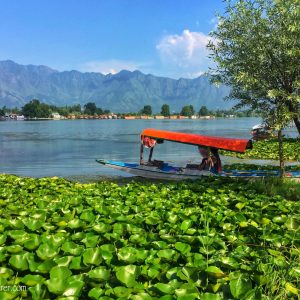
x=215 y=238
x=203 y=111
x=256 y=48
x=36 y=109
x=187 y=111
x=66 y=110
x=90 y=108
x=147 y=110
x=268 y=149
x=165 y=110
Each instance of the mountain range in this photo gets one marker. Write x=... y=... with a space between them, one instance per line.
x=125 y=91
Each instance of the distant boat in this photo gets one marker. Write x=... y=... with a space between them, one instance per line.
x=261 y=131
x=20 y=118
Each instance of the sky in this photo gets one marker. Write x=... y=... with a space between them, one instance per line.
x=160 y=37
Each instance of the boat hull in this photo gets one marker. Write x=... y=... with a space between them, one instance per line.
x=175 y=173
x=167 y=172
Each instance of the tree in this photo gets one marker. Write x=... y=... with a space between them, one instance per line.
x=36 y=109
x=256 y=47
x=256 y=50
x=147 y=110
x=165 y=110
x=203 y=111
x=90 y=108
x=187 y=111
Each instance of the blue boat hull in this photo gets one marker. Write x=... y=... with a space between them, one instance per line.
x=176 y=173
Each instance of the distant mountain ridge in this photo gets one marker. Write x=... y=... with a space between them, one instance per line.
x=122 y=92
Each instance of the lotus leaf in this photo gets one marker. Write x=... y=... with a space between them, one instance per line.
x=19 y=262
x=33 y=224
x=168 y=254
x=63 y=261
x=92 y=256
x=38 y=292
x=45 y=266
x=32 y=242
x=122 y=292
x=32 y=280
x=76 y=263
x=127 y=275
x=95 y=293
x=99 y=274
x=72 y=248
x=47 y=251
x=14 y=248
x=102 y=227
x=73 y=288
x=5 y=272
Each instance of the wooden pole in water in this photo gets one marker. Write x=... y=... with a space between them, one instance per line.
x=150 y=154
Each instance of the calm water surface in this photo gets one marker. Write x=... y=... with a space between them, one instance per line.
x=70 y=147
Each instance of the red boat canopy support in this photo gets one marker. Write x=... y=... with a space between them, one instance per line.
x=231 y=144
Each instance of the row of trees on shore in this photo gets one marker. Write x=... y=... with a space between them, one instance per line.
x=38 y=109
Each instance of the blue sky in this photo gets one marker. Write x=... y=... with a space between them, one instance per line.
x=161 y=37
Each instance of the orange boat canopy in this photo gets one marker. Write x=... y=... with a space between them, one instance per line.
x=231 y=144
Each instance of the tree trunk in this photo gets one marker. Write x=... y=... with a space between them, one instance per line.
x=297 y=123
x=280 y=152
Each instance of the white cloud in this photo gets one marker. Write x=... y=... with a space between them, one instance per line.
x=112 y=66
x=186 y=52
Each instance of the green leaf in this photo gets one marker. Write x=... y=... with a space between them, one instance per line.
x=99 y=274
x=72 y=248
x=182 y=247
x=32 y=280
x=38 y=292
x=45 y=266
x=127 y=275
x=122 y=292
x=210 y=296
x=60 y=272
x=95 y=293
x=47 y=251
x=186 y=224
x=19 y=262
x=5 y=272
x=165 y=288
x=215 y=272
x=92 y=256
x=239 y=286
x=73 y=288
x=32 y=242
x=168 y=254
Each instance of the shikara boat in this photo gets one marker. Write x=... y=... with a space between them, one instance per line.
x=162 y=170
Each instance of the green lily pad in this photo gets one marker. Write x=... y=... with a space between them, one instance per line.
x=47 y=251
x=92 y=256
x=127 y=275
x=99 y=274
x=19 y=262
x=32 y=280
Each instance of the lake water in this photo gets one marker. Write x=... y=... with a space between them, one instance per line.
x=69 y=147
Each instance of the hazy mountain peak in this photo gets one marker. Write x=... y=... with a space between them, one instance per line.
x=122 y=92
